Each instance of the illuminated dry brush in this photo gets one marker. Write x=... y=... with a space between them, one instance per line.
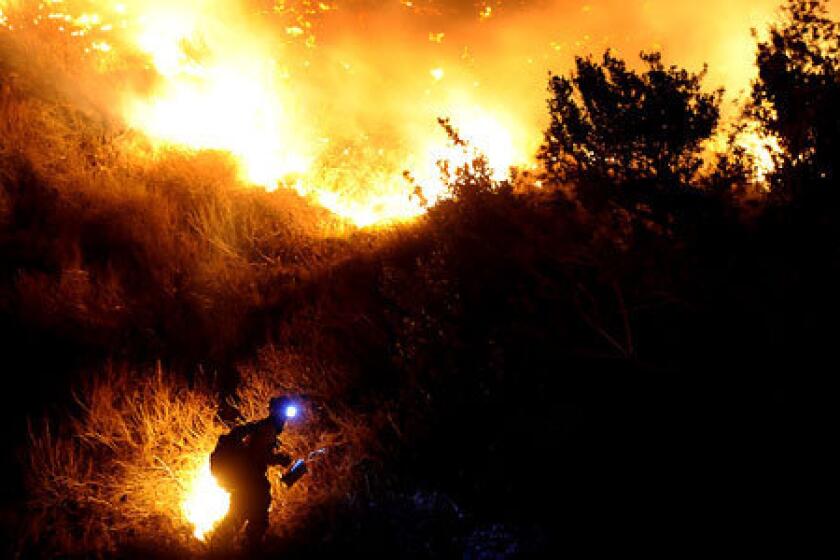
x=123 y=466
x=132 y=465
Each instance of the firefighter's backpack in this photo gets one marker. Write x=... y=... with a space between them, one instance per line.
x=226 y=460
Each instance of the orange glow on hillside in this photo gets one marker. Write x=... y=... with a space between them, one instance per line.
x=337 y=100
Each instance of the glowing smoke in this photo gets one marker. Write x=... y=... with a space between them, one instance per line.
x=337 y=99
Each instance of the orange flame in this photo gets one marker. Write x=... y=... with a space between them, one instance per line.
x=302 y=97
x=206 y=503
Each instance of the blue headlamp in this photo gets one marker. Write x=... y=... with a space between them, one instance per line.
x=284 y=408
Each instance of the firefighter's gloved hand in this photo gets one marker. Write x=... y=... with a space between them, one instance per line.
x=281 y=459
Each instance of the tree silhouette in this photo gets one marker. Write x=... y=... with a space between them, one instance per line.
x=796 y=98
x=612 y=126
x=615 y=122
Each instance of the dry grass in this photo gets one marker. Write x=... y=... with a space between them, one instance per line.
x=118 y=471
x=119 y=468
x=115 y=243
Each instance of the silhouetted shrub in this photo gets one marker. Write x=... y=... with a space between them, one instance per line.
x=626 y=137
x=795 y=100
x=616 y=123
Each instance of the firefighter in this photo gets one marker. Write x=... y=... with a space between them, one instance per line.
x=240 y=463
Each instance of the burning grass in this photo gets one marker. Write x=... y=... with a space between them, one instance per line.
x=123 y=465
x=109 y=246
x=131 y=466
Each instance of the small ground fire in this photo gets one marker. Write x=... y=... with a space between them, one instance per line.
x=205 y=503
